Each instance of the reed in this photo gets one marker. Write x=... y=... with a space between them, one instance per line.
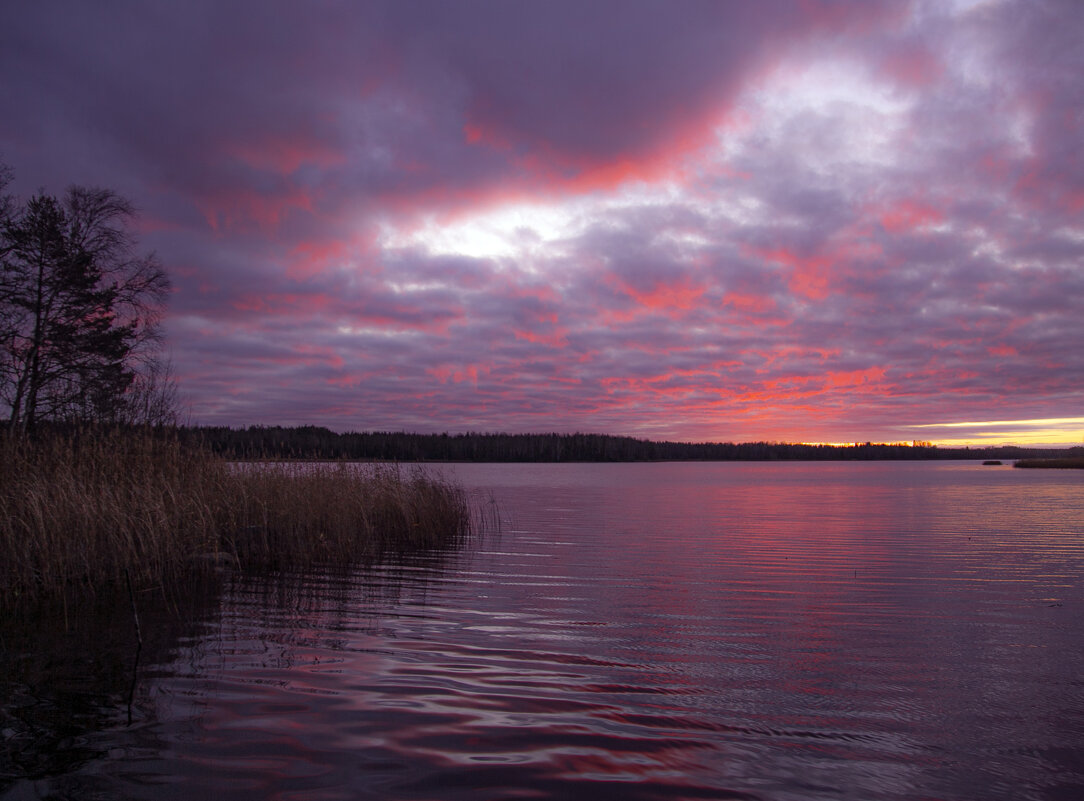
x=83 y=511
x=1066 y=462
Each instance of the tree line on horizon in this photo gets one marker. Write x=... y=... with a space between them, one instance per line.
x=318 y=442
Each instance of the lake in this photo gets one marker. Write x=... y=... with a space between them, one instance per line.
x=834 y=630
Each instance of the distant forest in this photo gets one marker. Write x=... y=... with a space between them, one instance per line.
x=314 y=442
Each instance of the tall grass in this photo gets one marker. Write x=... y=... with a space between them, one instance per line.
x=81 y=512
x=1070 y=462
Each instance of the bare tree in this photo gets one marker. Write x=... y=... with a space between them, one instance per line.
x=79 y=310
x=153 y=398
x=7 y=311
x=7 y=203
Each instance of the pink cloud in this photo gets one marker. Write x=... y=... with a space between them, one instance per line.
x=284 y=156
x=725 y=263
x=913 y=66
x=242 y=209
x=670 y=298
x=909 y=215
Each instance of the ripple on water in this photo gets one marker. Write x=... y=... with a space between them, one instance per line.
x=652 y=632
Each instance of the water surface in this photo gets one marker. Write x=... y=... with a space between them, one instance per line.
x=645 y=631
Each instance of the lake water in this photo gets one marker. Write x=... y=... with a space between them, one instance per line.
x=780 y=631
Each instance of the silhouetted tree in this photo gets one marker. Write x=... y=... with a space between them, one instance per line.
x=79 y=312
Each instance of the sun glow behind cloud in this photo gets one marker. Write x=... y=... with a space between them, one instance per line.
x=498 y=233
x=514 y=231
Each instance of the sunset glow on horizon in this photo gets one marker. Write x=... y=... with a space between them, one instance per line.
x=1050 y=432
x=808 y=221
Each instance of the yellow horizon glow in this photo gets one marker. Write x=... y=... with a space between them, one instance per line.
x=1052 y=432
x=1038 y=421
x=1023 y=439
x=1041 y=431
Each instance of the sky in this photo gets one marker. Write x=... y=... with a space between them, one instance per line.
x=809 y=221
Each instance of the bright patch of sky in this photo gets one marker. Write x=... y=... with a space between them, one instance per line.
x=497 y=233
x=522 y=229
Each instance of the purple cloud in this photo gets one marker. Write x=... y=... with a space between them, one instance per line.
x=788 y=220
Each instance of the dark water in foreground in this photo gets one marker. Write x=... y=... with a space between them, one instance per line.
x=635 y=631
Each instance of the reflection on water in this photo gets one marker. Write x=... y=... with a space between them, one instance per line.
x=643 y=631
x=67 y=673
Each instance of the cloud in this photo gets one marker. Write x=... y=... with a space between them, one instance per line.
x=786 y=220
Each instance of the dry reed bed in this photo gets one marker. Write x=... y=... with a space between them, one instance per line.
x=80 y=513
x=1069 y=462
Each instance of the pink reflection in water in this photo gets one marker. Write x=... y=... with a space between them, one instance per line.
x=777 y=631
